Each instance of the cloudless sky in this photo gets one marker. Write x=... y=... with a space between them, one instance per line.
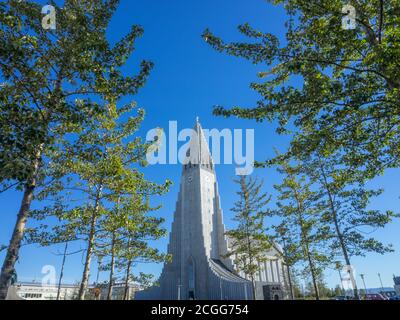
x=189 y=78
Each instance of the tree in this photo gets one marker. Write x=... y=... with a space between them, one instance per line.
x=295 y=206
x=347 y=107
x=108 y=244
x=102 y=164
x=127 y=232
x=135 y=246
x=145 y=280
x=348 y=98
x=324 y=290
x=249 y=242
x=338 y=291
x=45 y=238
x=291 y=253
x=297 y=288
x=344 y=201
x=53 y=82
x=139 y=252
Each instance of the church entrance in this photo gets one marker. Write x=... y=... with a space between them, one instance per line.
x=273 y=292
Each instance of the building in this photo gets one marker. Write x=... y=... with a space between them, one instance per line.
x=118 y=291
x=272 y=281
x=37 y=291
x=396 y=281
x=198 y=245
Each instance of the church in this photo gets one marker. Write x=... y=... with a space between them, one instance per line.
x=200 y=269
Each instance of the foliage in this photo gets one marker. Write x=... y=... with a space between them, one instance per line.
x=295 y=206
x=54 y=83
x=249 y=241
x=349 y=95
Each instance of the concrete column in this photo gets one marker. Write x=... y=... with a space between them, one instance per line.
x=277 y=270
x=266 y=271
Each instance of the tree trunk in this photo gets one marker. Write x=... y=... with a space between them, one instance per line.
x=309 y=259
x=8 y=267
x=346 y=258
x=62 y=270
x=306 y=248
x=313 y=274
x=86 y=269
x=290 y=282
x=338 y=231
x=251 y=263
x=304 y=239
x=253 y=286
x=110 y=285
x=128 y=274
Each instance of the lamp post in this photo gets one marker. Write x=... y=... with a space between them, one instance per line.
x=179 y=291
x=380 y=280
x=220 y=288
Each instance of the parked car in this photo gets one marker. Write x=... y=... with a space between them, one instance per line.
x=374 y=296
x=343 y=298
x=388 y=294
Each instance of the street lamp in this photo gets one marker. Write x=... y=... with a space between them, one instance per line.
x=380 y=279
x=179 y=291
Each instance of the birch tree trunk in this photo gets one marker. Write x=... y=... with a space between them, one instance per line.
x=8 y=268
x=313 y=274
x=288 y=270
x=110 y=285
x=62 y=270
x=91 y=238
x=128 y=273
x=338 y=229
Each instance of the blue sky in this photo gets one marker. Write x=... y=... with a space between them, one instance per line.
x=188 y=79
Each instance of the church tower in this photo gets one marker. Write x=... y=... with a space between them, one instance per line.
x=197 y=243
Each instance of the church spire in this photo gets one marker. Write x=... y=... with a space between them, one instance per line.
x=198 y=152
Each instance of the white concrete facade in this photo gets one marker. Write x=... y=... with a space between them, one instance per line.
x=37 y=291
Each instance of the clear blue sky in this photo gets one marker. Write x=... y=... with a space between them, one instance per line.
x=188 y=79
